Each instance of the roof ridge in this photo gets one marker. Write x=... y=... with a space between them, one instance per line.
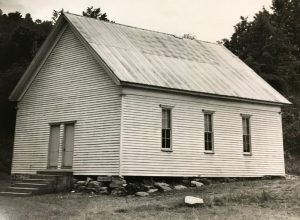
x=159 y=32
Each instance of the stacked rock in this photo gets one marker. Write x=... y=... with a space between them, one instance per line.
x=90 y=186
x=114 y=185
x=117 y=186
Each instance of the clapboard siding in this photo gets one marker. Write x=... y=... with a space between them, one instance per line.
x=71 y=85
x=141 y=137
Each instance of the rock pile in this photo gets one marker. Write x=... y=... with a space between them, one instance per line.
x=118 y=186
x=163 y=187
x=196 y=183
x=103 y=185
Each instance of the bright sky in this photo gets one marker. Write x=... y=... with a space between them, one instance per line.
x=209 y=20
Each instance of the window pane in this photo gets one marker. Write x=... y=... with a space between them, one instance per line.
x=166 y=118
x=208 y=141
x=208 y=122
x=164 y=123
x=244 y=126
x=208 y=146
x=246 y=141
x=208 y=131
x=164 y=113
x=247 y=126
x=210 y=137
x=166 y=128
x=169 y=118
x=168 y=143
x=246 y=134
x=168 y=133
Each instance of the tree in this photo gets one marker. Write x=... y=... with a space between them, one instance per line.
x=270 y=44
x=19 y=40
x=190 y=36
x=56 y=14
x=95 y=13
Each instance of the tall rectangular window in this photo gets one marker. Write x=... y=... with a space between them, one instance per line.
x=166 y=141
x=208 y=131
x=246 y=134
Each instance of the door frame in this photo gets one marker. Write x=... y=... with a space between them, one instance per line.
x=64 y=144
x=49 y=144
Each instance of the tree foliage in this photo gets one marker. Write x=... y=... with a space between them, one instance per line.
x=89 y=12
x=56 y=14
x=95 y=13
x=20 y=37
x=190 y=36
x=270 y=44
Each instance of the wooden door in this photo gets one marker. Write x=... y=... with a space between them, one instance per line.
x=68 y=146
x=53 y=146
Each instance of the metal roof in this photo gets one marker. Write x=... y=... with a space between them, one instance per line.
x=157 y=59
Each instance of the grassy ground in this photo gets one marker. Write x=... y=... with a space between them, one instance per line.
x=264 y=199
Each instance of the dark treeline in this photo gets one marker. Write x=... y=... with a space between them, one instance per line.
x=270 y=44
x=20 y=38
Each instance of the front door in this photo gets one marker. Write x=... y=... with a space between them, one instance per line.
x=53 y=146
x=68 y=146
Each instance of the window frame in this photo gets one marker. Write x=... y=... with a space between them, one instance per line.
x=212 y=132
x=246 y=117
x=169 y=108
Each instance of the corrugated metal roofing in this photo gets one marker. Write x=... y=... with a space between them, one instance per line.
x=158 y=59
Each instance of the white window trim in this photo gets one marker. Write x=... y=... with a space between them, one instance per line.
x=212 y=128
x=250 y=134
x=171 y=135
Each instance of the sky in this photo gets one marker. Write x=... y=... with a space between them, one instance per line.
x=209 y=20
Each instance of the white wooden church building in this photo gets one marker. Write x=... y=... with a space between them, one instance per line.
x=102 y=98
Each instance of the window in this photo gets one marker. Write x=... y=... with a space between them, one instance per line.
x=208 y=132
x=246 y=134
x=166 y=141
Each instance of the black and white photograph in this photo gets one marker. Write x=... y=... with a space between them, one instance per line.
x=149 y=109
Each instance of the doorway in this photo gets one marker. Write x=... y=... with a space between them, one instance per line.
x=67 y=147
x=53 y=146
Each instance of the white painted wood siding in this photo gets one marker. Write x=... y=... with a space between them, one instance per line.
x=71 y=85
x=141 y=137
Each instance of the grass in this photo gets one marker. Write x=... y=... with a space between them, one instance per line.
x=264 y=199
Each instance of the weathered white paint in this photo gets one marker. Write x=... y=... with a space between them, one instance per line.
x=141 y=137
x=122 y=135
x=71 y=86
